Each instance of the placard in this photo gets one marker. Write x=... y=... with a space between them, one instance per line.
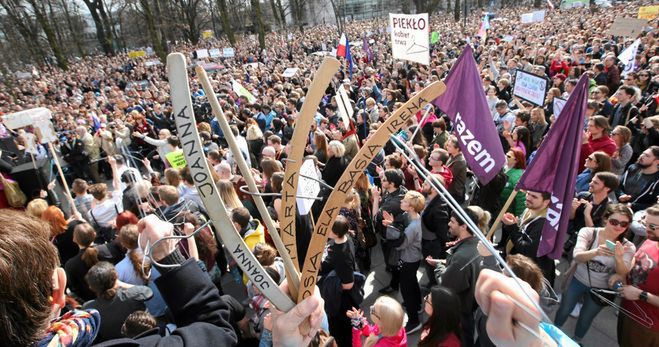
x=202 y=53
x=307 y=187
x=176 y=159
x=289 y=72
x=207 y=34
x=136 y=54
x=410 y=37
x=214 y=53
x=530 y=87
x=627 y=27
x=539 y=16
x=228 y=52
x=526 y=18
x=648 y=12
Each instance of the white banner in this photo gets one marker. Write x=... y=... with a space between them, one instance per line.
x=530 y=87
x=289 y=72
x=228 y=52
x=214 y=53
x=307 y=187
x=202 y=53
x=410 y=37
x=526 y=18
x=539 y=16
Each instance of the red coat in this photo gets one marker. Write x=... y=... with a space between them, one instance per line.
x=604 y=144
x=557 y=67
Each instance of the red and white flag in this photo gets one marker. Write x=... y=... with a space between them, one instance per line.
x=342 y=48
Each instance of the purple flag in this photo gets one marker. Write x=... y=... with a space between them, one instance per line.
x=367 y=48
x=465 y=104
x=554 y=169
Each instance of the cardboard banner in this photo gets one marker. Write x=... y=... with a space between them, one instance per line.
x=203 y=180
x=648 y=12
x=307 y=187
x=627 y=27
x=530 y=87
x=176 y=159
x=409 y=37
x=136 y=54
x=347 y=181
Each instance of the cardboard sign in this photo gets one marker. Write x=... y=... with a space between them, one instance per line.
x=202 y=53
x=152 y=63
x=214 y=53
x=508 y=38
x=526 y=18
x=289 y=72
x=307 y=187
x=176 y=159
x=345 y=107
x=410 y=37
x=136 y=54
x=539 y=16
x=648 y=12
x=228 y=52
x=242 y=91
x=530 y=87
x=627 y=27
x=39 y=118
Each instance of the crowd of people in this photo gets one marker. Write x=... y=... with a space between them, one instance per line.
x=75 y=271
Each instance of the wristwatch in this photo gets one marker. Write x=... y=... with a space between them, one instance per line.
x=643 y=296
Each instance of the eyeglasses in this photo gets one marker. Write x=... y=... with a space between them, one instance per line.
x=615 y=223
x=595 y=92
x=651 y=226
x=372 y=310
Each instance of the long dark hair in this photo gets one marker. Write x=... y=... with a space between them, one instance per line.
x=445 y=318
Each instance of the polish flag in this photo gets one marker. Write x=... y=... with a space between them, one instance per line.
x=343 y=44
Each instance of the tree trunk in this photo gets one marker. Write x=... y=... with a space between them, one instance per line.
x=282 y=14
x=164 y=46
x=273 y=7
x=50 y=35
x=75 y=34
x=153 y=32
x=258 y=22
x=103 y=33
x=226 y=22
x=456 y=10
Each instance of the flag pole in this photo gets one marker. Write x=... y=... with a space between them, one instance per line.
x=497 y=221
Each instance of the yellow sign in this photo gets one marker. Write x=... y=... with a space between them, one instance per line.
x=207 y=34
x=648 y=12
x=176 y=159
x=136 y=54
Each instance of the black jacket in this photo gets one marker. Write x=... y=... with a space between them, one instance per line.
x=462 y=271
x=526 y=241
x=434 y=220
x=200 y=314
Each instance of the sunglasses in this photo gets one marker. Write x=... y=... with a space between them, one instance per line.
x=651 y=226
x=615 y=223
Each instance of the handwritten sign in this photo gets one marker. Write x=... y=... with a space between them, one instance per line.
x=307 y=187
x=214 y=53
x=202 y=53
x=410 y=37
x=648 y=12
x=176 y=159
x=627 y=27
x=526 y=18
x=530 y=87
x=289 y=72
x=228 y=52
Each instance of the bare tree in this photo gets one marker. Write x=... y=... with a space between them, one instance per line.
x=103 y=25
x=258 y=22
x=189 y=12
x=74 y=31
x=42 y=19
x=25 y=26
x=226 y=22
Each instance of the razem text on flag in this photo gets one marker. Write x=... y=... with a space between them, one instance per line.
x=554 y=170
x=465 y=104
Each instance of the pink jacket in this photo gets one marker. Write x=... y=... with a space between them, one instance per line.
x=398 y=340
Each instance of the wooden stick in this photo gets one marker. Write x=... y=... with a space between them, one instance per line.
x=292 y=275
x=288 y=209
x=418 y=126
x=61 y=174
x=203 y=180
x=497 y=221
x=354 y=170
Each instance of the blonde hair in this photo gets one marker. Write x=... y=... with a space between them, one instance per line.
x=228 y=194
x=353 y=201
x=415 y=200
x=483 y=217
x=338 y=149
x=390 y=314
x=36 y=207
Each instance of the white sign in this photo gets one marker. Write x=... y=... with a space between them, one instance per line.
x=559 y=103
x=40 y=118
x=530 y=87
x=410 y=37
x=345 y=107
x=202 y=53
x=214 y=53
x=289 y=72
x=526 y=18
x=228 y=52
x=507 y=38
x=152 y=62
x=539 y=16
x=307 y=187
